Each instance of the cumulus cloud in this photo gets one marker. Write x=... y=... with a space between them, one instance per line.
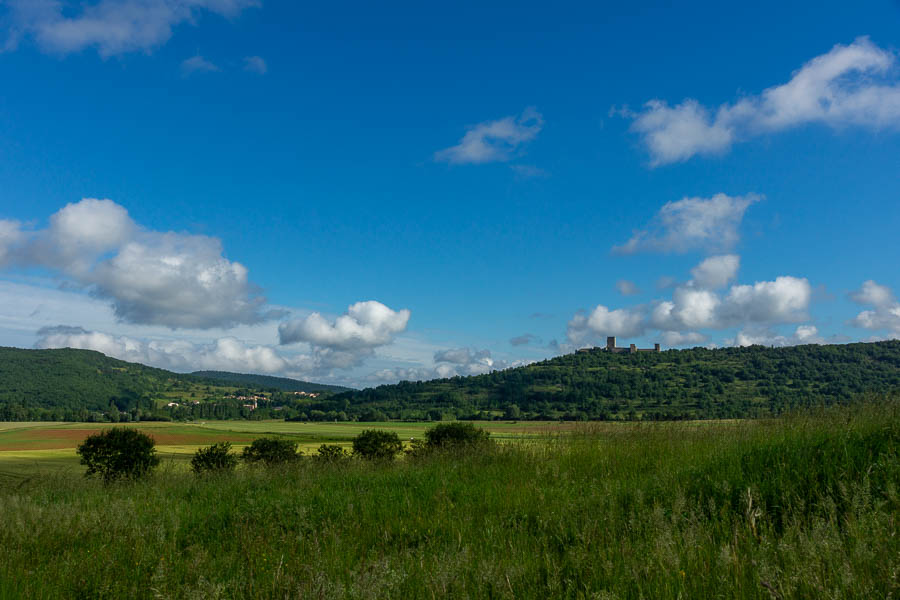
x=494 y=141
x=604 y=322
x=112 y=27
x=885 y=312
x=255 y=64
x=852 y=85
x=224 y=354
x=351 y=337
x=709 y=224
x=466 y=361
x=197 y=64
x=699 y=304
x=11 y=235
x=153 y=278
x=627 y=288
x=716 y=271
x=449 y=362
x=687 y=338
x=676 y=133
x=364 y=325
x=804 y=334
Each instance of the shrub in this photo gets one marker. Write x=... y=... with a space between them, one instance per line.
x=416 y=448
x=215 y=458
x=375 y=444
x=455 y=435
x=270 y=451
x=118 y=453
x=331 y=453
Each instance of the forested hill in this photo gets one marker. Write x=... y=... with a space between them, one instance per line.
x=675 y=384
x=84 y=385
x=267 y=382
x=76 y=380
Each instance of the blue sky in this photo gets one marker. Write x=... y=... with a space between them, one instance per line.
x=362 y=194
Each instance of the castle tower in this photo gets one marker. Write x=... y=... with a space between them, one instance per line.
x=656 y=347
x=611 y=343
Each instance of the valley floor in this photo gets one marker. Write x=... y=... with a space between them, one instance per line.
x=799 y=507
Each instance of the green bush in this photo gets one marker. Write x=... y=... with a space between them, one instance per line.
x=118 y=453
x=331 y=453
x=455 y=435
x=215 y=458
x=270 y=451
x=375 y=444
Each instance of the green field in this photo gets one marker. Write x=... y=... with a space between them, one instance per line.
x=799 y=507
x=28 y=448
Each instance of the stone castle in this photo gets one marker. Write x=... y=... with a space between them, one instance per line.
x=611 y=347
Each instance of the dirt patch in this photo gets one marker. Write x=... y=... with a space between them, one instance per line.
x=58 y=439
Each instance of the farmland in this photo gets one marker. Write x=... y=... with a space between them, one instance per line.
x=796 y=507
x=26 y=448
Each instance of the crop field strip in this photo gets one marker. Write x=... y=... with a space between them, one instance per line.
x=28 y=448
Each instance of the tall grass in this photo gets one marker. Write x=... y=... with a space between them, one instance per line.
x=801 y=507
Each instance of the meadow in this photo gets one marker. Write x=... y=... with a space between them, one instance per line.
x=804 y=506
x=27 y=448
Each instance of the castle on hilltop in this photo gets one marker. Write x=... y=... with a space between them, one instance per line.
x=611 y=347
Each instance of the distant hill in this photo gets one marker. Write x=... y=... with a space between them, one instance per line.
x=675 y=384
x=71 y=381
x=267 y=382
x=84 y=385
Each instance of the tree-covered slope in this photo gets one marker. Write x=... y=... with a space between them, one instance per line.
x=70 y=380
x=268 y=382
x=83 y=385
x=696 y=383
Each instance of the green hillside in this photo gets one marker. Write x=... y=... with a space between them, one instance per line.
x=267 y=382
x=675 y=384
x=70 y=382
x=84 y=385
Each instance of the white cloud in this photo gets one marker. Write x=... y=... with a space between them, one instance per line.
x=804 y=334
x=11 y=235
x=698 y=305
x=604 y=322
x=853 y=85
x=784 y=300
x=692 y=223
x=690 y=308
x=494 y=141
x=716 y=271
x=173 y=279
x=197 y=64
x=885 y=312
x=688 y=338
x=224 y=354
x=112 y=27
x=364 y=325
x=674 y=134
x=255 y=64
x=177 y=280
x=448 y=362
x=627 y=288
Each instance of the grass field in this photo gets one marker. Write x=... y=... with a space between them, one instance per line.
x=800 y=507
x=27 y=448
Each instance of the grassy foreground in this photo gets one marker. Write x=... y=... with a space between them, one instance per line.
x=801 y=507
